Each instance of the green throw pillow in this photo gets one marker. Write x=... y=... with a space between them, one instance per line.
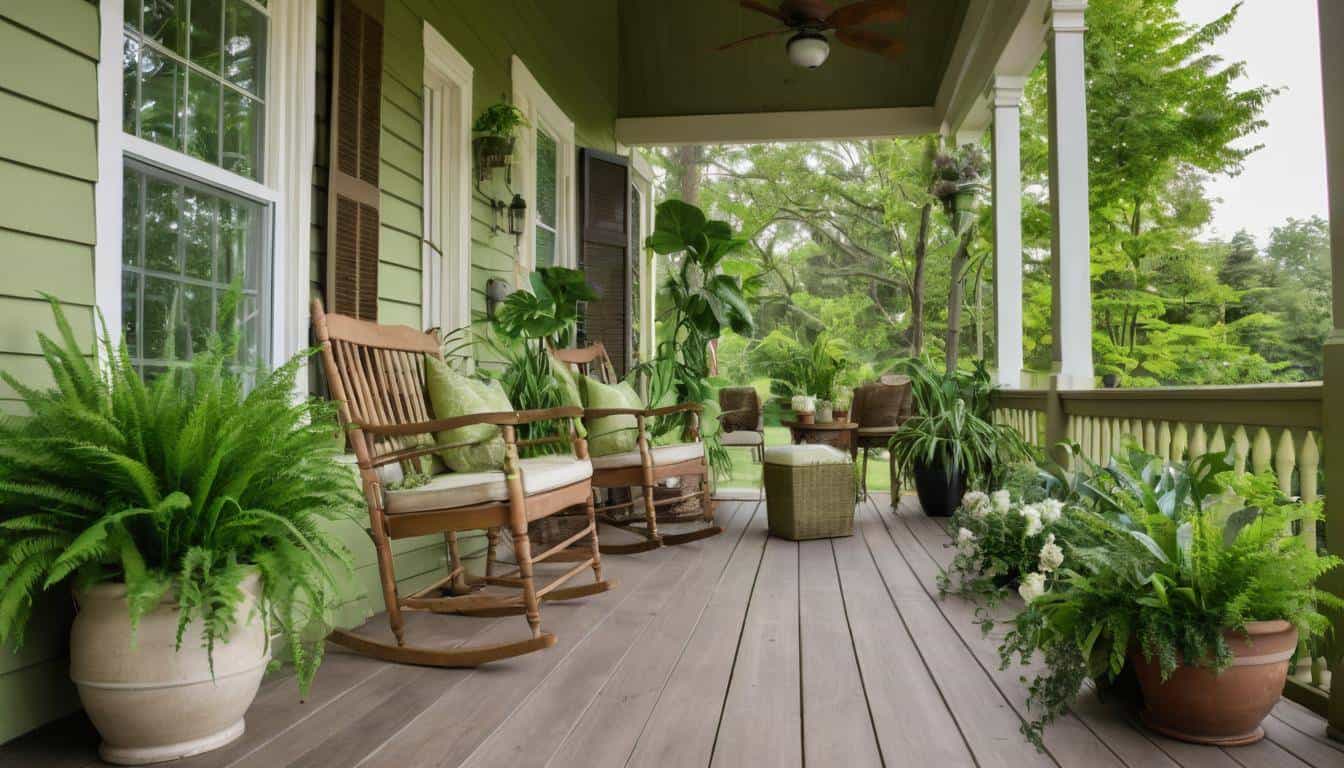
x=569 y=390
x=611 y=434
x=451 y=395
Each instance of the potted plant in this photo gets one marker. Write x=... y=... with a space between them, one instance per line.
x=950 y=443
x=958 y=181
x=186 y=514
x=804 y=408
x=1191 y=579
x=844 y=397
x=497 y=127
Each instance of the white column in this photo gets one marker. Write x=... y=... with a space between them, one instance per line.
x=1071 y=242
x=1331 y=13
x=1005 y=94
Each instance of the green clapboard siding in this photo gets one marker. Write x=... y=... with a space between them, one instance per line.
x=48 y=165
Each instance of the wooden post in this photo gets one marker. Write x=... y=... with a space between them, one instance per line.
x=1071 y=254
x=1331 y=14
x=1006 y=96
x=1056 y=422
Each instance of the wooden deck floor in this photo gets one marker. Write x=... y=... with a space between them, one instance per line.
x=740 y=650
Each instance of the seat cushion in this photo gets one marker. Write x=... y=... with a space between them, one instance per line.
x=877 y=431
x=742 y=437
x=662 y=456
x=570 y=396
x=805 y=455
x=451 y=395
x=464 y=489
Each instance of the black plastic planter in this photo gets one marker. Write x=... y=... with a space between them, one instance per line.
x=939 y=489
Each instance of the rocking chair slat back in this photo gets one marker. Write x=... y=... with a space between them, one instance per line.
x=377 y=373
x=591 y=361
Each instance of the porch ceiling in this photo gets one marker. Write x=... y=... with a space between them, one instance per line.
x=669 y=65
x=677 y=88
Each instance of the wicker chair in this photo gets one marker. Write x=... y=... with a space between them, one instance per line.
x=880 y=408
x=376 y=374
x=646 y=467
x=742 y=420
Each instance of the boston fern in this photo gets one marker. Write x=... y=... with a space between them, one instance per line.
x=177 y=487
x=1163 y=561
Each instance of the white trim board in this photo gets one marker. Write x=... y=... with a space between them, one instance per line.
x=543 y=113
x=446 y=278
x=761 y=127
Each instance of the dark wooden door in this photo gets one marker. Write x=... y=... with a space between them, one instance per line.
x=605 y=255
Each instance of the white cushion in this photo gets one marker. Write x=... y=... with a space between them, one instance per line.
x=662 y=455
x=463 y=489
x=805 y=455
x=742 y=437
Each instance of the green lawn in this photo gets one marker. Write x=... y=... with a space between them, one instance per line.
x=747 y=473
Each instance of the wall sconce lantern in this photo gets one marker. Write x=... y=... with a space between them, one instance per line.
x=517 y=215
x=496 y=291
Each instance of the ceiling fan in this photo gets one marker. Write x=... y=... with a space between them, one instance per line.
x=808 y=20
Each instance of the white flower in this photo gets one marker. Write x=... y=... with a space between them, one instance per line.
x=1051 y=511
x=976 y=503
x=1003 y=501
x=965 y=540
x=1032 y=587
x=1051 y=555
x=1033 y=515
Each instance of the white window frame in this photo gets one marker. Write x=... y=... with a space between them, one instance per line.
x=544 y=114
x=641 y=178
x=446 y=267
x=286 y=186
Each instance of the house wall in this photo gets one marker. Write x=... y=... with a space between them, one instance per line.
x=48 y=165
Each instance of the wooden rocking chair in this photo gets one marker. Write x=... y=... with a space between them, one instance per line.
x=376 y=374
x=646 y=466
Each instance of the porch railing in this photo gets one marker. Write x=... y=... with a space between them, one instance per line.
x=1268 y=428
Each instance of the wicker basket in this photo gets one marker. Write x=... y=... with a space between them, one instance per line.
x=813 y=501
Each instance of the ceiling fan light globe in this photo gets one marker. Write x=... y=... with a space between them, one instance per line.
x=808 y=49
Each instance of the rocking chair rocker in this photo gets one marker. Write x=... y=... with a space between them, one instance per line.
x=376 y=373
x=646 y=466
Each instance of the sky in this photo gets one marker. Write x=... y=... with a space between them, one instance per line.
x=1279 y=41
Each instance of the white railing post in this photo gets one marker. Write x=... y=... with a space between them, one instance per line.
x=1331 y=15
x=1071 y=242
x=1005 y=94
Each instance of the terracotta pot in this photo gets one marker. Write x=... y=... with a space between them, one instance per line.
x=805 y=418
x=150 y=701
x=841 y=414
x=1198 y=705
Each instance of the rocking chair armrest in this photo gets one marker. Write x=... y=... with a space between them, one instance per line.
x=597 y=413
x=668 y=410
x=497 y=418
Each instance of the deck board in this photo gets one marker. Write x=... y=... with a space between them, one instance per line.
x=736 y=650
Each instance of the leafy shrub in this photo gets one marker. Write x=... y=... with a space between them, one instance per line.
x=178 y=486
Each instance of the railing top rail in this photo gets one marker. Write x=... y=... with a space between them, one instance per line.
x=1299 y=391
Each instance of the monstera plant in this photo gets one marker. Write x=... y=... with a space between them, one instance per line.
x=702 y=302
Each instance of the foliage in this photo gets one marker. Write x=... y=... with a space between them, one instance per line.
x=176 y=487
x=1165 y=558
x=527 y=323
x=952 y=426
x=500 y=119
x=797 y=369
x=703 y=302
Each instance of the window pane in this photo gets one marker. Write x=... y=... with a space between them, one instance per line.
x=166 y=24
x=131 y=14
x=131 y=220
x=161 y=225
x=203 y=94
x=130 y=66
x=242 y=134
x=545 y=247
x=196 y=240
x=206 y=34
x=244 y=46
x=546 y=160
x=161 y=92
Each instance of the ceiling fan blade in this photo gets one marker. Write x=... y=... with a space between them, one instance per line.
x=806 y=11
x=868 y=12
x=752 y=5
x=757 y=36
x=870 y=41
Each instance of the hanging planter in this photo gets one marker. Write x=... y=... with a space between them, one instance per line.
x=498 y=125
x=492 y=152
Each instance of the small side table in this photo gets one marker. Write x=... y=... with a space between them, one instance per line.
x=837 y=434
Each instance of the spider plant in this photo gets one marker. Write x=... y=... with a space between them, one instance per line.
x=176 y=487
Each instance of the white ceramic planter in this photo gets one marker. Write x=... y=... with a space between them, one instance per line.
x=151 y=702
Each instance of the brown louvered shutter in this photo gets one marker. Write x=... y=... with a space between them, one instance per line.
x=604 y=253
x=352 y=194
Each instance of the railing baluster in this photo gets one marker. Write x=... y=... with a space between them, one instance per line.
x=1241 y=450
x=1285 y=461
x=1180 y=437
x=1218 y=444
x=1308 y=467
x=1149 y=437
x=1199 y=444
x=1261 y=451
x=1164 y=441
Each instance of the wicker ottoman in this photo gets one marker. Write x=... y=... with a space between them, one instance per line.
x=809 y=491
